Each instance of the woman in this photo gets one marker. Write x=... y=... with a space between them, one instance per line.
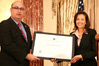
x=85 y=46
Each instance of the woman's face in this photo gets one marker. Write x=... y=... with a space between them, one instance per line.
x=80 y=21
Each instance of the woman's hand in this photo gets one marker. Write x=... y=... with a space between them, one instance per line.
x=76 y=58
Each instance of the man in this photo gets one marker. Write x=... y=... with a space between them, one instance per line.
x=15 y=39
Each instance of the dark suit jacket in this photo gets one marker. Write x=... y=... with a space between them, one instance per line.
x=87 y=49
x=14 y=46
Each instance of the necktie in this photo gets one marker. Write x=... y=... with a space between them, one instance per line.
x=22 y=31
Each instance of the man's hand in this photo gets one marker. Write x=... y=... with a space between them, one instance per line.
x=31 y=57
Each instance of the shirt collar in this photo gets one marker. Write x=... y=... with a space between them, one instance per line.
x=76 y=32
x=15 y=21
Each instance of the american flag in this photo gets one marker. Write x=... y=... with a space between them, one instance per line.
x=80 y=5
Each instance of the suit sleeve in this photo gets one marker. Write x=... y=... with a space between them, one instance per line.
x=92 y=52
x=8 y=45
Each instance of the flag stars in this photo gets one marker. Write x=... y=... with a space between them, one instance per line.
x=80 y=5
x=80 y=2
x=81 y=9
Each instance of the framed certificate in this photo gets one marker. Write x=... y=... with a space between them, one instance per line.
x=53 y=46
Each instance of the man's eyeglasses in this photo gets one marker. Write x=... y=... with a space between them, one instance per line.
x=17 y=8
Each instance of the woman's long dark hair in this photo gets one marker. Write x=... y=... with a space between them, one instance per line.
x=86 y=19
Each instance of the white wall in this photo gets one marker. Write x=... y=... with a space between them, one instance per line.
x=5 y=8
x=97 y=16
x=49 y=23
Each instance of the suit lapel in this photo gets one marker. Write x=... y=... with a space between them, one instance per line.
x=16 y=28
x=84 y=37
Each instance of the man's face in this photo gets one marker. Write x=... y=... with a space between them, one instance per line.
x=17 y=11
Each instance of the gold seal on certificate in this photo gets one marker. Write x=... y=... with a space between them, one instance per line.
x=51 y=45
